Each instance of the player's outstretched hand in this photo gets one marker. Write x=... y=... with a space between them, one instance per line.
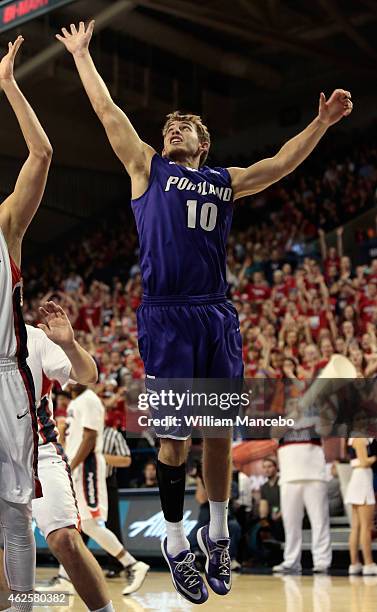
x=56 y=324
x=7 y=62
x=337 y=106
x=77 y=40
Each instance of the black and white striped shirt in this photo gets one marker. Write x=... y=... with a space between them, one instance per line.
x=114 y=444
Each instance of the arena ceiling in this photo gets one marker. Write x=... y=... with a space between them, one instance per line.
x=220 y=57
x=234 y=61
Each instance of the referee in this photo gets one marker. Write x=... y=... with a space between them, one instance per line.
x=117 y=454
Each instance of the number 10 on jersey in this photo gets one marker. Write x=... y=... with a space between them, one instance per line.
x=208 y=215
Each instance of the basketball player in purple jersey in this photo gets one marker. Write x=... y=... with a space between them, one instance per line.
x=18 y=422
x=187 y=329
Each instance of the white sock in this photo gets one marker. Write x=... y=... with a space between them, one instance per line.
x=63 y=573
x=108 y=608
x=218 y=523
x=126 y=559
x=176 y=538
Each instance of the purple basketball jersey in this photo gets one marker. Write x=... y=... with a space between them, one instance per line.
x=183 y=221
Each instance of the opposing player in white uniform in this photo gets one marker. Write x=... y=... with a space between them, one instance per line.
x=84 y=448
x=55 y=355
x=85 y=425
x=56 y=513
x=18 y=437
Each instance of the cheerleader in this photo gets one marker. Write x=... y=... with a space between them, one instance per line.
x=360 y=495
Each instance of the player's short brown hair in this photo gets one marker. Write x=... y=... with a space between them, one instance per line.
x=201 y=129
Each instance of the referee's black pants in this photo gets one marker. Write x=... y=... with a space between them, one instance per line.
x=113 y=517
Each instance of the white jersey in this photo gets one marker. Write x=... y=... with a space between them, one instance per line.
x=10 y=303
x=58 y=506
x=300 y=453
x=47 y=362
x=89 y=478
x=85 y=411
x=303 y=461
x=18 y=422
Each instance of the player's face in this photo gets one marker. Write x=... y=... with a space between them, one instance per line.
x=181 y=141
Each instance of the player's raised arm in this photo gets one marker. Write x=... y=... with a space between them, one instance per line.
x=255 y=178
x=19 y=208
x=131 y=150
x=58 y=328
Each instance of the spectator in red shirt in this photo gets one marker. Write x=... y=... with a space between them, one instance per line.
x=311 y=358
x=317 y=316
x=289 y=279
x=368 y=304
x=291 y=341
x=349 y=314
x=327 y=350
x=269 y=310
x=258 y=290
x=345 y=267
x=340 y=346
x=89 y=317
x=279 y=289
x=331 y=255
x=348 y=332
x=291 y=309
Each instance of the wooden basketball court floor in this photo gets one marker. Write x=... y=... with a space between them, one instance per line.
x=250 y=593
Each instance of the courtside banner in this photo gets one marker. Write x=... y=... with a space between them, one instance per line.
x=255 y=408
x=15 y=12
x=142 y=522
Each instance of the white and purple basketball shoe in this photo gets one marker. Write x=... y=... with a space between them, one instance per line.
x=186 y=578
x=217 y=565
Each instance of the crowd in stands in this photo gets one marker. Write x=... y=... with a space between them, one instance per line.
x=300 y=318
